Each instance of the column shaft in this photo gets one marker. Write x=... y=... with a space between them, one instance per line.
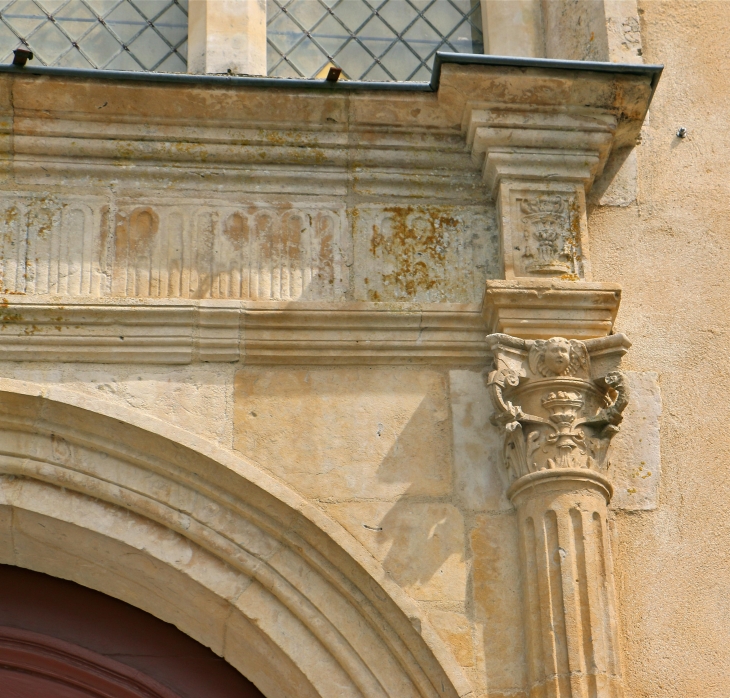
x=569 y=609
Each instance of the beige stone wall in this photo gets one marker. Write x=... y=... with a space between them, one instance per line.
x=669 y=250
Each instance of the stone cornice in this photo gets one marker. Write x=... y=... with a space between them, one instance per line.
x=196 y=128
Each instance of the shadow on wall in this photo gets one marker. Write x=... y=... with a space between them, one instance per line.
x=423 y=535
x=373 y=446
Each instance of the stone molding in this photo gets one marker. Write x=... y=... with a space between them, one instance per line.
x=540 y=309
x=133 y=507
x=173 y=331
x=166 y=332
x=557 y=409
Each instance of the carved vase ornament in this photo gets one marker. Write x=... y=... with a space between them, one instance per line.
x=557 y=419
x=549 y=240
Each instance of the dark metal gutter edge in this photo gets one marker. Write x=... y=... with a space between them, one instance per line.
x=651 y=71
x=215 y=80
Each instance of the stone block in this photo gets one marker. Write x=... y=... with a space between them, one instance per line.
x=479 y=480
x=423 y=253
x=540 y=309
x=183 y=396
x=456 y=631
x=635 y=455
x=498 y=600
x=347 y=433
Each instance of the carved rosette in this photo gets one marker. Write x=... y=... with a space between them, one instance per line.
x=557 y=418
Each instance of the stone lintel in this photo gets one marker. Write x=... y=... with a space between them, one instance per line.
x=540 y=309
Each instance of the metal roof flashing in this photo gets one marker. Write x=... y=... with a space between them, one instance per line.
x=651 y=71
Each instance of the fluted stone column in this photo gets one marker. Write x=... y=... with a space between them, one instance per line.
x=557 y=418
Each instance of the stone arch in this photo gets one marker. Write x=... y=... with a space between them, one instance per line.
x=127 y=504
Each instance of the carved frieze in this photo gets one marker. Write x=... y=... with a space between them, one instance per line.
x=79 y=246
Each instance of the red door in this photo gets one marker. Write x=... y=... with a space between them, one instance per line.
x=62 y=640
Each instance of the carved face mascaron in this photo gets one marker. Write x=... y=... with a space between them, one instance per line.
x=558 y=357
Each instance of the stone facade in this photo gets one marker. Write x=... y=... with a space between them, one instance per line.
x=363 y=389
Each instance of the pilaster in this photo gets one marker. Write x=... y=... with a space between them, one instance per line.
x=227 y=36
x=538 y=165
x=557 y=409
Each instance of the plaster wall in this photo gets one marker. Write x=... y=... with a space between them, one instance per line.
x=669 y=250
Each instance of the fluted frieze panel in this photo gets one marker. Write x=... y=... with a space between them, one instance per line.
x=69 y=247
x=160 y=247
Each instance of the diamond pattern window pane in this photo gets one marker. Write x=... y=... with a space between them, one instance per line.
x=380 y=40
x=148 y=35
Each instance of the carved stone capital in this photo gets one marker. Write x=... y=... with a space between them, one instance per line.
x=555 y=413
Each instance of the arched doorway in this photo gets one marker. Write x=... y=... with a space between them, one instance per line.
x=199 y=537
x=61 y=639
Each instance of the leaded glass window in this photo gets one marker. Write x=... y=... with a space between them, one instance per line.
x=113 y=34
x=369 y=39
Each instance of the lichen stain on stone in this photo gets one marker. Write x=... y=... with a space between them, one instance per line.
x=412 y=242
x=8 y=316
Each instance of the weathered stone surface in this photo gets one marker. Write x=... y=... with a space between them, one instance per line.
x=423 y=253
x=421 y=545
x=347 y=433
x=457 y=632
